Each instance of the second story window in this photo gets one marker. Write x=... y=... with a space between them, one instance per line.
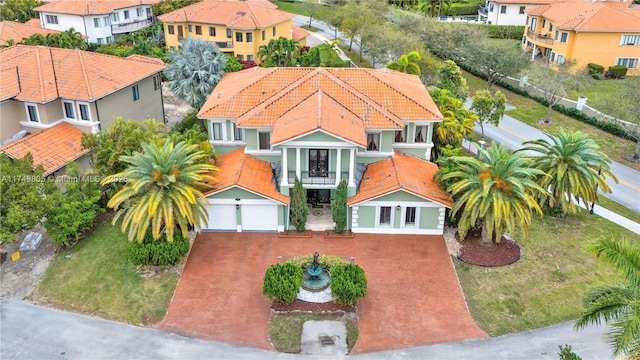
x=84 y=112
x=51 y=19
x=421 y=134
x=401 y=135
x=68 y=110
x=229 y=33
x=156 y=82
x=249 y=37
x=264 y=140
x=239 y=37
x=126 y=14
x=115 y=17
x=562 y=36
x=190 y=28
x=503 y=9
x=544 y=23
x=138 y=12
x=630 y=40
x=263 y=35
x=136 y=93
x=373 y=142
x=490 y=7
x=521 y=11
x=96 y=22
x=217 y=132
x=238 y=133
x=198 y=30
x=171 y=30
x=212 y=31
x=32 y=112
x=274 y=31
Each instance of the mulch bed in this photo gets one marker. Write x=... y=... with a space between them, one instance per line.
x=333 y=233
x=295 y=234
x=304 y=306
x=474 y=252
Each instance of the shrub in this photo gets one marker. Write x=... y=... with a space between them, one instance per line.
x=459 y=9
x=339 y=207
x=617 y=72
x=159 y=252
x=282 y=282
x=566 y=353
x=299 y=209
x=187 y=122
x=504 y=31
x=595 y=70
x=348 y=284
x=327 y=262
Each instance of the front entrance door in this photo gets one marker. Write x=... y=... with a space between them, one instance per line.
x=318 y=162
x=180 y=33
x=317 y=197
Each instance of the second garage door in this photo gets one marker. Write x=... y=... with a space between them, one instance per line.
x=259 y=217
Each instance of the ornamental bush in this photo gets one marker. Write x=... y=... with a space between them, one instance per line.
x=348 y=284
x=282 y=282
x=327 y=262
x=299 y=208
x=159 y=252
x=514 y=32
x=339 y=207
x=617 y=72
x=595 y=70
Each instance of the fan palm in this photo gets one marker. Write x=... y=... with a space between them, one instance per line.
x=408 y=64
x=497 y=190
x=575 y=168
x=617 y=305
x=195 y=70
x=162 y=190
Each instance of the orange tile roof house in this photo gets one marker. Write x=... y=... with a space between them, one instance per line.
x=238 y=27
x=12 y=32
x=42 y=88
x=370 y=128
x=604 y=33
x=101 y=21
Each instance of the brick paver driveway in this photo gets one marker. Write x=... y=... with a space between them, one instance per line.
x=413 y=297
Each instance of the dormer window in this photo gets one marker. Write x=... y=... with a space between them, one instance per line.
x=401 y=135
x=373 y=142
x=421 y=134
x=264 y=140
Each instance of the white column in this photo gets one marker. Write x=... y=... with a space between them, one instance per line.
x=352 y=165
x=285 y=169
x=298 y=172
x=533 y=53
x=338 y=165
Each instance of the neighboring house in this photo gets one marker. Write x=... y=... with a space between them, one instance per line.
x=604 y=33
x=238 y=27
x=53 y=148
x=42 y=87
x=508 y=12
x=100 y=20
x=371 y=128
x=12 y=32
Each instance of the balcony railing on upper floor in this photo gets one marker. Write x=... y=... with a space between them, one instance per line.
x=317 y=177
x=224 y=44
x=545 y=39
x=131 y=26
x=482 y=10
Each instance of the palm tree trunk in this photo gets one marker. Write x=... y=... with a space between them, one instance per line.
x=485 y=235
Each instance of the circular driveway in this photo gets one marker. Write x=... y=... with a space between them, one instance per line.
x=414 y=297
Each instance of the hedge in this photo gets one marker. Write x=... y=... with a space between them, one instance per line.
x=617 y=71
x=458 y=9
x=159 y=252
x=514 y=32
x=282 y=282
x=606 y=126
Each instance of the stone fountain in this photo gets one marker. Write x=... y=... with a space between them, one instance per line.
x=315 y=277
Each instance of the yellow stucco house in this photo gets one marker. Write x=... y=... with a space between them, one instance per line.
x=238 y=27
x=604 y=33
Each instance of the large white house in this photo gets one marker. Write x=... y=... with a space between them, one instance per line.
x=508 y=12
x=100 y=20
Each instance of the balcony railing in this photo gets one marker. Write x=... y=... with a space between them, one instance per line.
x=317 y=177
x=224 y=44
x=131 y=26
x=482 y=10
x=545 y=39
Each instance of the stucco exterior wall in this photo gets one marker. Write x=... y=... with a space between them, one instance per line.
x=12 y=113
x=121 y=103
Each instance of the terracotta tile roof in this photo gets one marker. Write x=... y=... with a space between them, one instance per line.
x=52 y=148
x=49 y=73
x=381 y=98
x=90 y=7
x=10 y=30
x=401 y=172
x=235 y=14
x=298 y=33
x=320 y=112
x=590 y=16
x=246 y=172
x=10 y=84
x=34 y=23
x=528 y=2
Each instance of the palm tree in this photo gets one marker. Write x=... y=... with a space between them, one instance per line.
x=408 y=64
x=196 y=68
x=162 y=190
x=574 y=166
x=457 y=121
x=497 y=190
x=617 y=305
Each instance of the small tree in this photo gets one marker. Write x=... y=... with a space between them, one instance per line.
x=339 y=207
x=299 y=208
x=450 y=78
x=348 y=284
x=489 y=108
x=408 y=63
x=282 y=282
x=495 y=60
x=19 y=10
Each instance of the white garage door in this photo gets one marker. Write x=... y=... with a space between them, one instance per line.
x=221 y=217
x=259 y=217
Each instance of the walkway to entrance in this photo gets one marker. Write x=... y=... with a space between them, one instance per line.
x=413 y=298
x=320 y=218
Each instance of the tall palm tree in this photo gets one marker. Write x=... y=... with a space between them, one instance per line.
x=497 y=190
x=617 y=305
x=162 y=190
x=196 y=68
x=574 y=166
x=458 y=121
x=408 y=64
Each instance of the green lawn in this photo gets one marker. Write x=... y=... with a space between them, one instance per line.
x=99 y=280
x=292 y=7
x=355 y=57
x=547 y=284
x=600 y=91
x=285 y=329
x=529 y=111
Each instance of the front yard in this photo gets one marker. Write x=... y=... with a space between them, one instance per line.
x=95 y=277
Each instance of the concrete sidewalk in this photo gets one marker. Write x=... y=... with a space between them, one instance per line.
x=34 y=332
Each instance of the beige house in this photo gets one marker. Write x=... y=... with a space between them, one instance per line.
x=62 y=91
